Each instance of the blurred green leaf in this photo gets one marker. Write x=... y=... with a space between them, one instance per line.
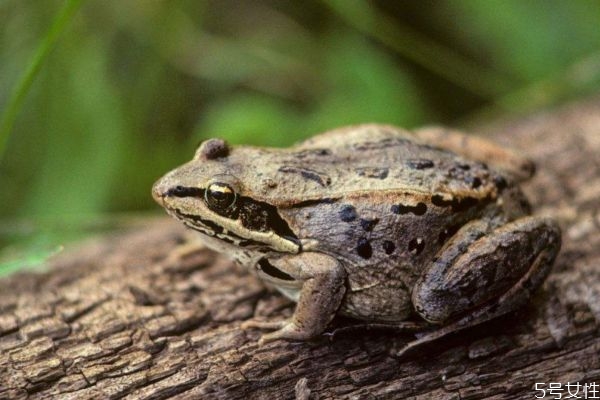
x=530 y=39
x=79 y=166
x=8 y=116
x=433 y=56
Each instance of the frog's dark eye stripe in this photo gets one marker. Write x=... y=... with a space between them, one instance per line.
x=220 y=196
x=183 y=191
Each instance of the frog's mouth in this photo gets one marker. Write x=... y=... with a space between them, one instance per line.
x=251 y=224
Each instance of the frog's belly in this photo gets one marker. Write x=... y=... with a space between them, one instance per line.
x=291 y=293
x=377 y=303
x=390 y=304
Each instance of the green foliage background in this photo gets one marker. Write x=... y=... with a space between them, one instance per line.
x=108 y=95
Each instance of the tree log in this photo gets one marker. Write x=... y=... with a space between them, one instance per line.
x=120 y=318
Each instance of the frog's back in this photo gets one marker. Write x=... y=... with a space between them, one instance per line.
x=370 y=158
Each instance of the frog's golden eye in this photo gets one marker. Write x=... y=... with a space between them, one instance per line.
x=220 y=196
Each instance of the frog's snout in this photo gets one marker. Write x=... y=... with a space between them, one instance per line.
x=159 y=190
x=165 y=189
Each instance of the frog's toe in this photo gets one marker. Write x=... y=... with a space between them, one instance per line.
x=268 y=337
x=268 y=325
x=290 y=331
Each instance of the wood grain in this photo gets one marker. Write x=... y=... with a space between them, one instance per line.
x=118 y=318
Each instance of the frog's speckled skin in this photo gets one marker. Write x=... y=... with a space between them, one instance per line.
x=372 y=222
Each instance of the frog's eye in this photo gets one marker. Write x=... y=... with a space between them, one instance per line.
x=219 y=195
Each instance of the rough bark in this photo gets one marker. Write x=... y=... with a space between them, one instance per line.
x=119 y=318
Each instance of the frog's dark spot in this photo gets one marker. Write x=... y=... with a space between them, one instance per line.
x=319 y=177
x=416 y=246
x=364 y=249
x=369 y=172
x=212 y=149
x=314 y=202
x=368 y=224
x=389 y=247
x=275 y=272
x=419 y=163
x=456 y=204
x=447 y=233
x=419 y=209
x=500 y=183
x=348 y=213
x=474 y=181
x=464 y=167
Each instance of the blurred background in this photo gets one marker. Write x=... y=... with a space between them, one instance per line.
x=98 y=99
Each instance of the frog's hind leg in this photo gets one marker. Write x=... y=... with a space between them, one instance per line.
x=482 y=274
x=475 y=148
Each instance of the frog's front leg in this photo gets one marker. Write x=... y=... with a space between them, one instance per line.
x=484 y=272
x=322 y=279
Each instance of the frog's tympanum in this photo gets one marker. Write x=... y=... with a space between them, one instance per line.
x=371 y=222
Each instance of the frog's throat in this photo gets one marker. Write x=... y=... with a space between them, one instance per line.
x=233 y=232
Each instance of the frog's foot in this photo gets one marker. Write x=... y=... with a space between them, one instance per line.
x=269 y=325
x=290 y=331
x=322 y=278
x=286 y=330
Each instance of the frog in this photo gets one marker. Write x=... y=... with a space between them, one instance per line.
x=427 y=230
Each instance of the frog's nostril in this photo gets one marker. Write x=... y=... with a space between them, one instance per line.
x=177 y=191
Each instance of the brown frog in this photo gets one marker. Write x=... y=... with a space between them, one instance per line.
x=372 y=222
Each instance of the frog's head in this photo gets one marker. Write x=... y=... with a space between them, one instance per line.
x=208 y=195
